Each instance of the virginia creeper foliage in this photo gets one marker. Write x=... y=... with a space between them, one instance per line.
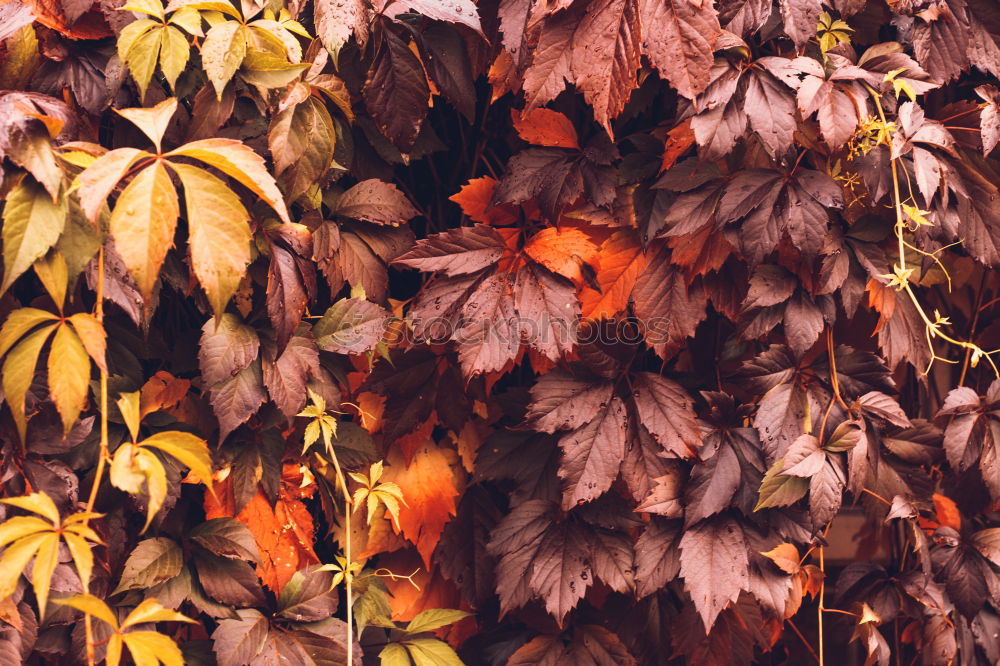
x=499 y=332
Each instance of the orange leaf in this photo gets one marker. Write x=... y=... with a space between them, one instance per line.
x=679 y=139
x=429 y=487
x=284 y=532
x=786 y=556
x=545 y=127
x=474 y=432
x=947 y=512
x=620 y=261
x=882 y=299
x=434 y=591
x=161 y=391
x=411 y=442
x=562 y=251
x=700 y=252
x=474 y=198
x=813 y=579
x=510 y=259
x=372 y=406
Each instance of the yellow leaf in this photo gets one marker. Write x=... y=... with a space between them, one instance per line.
x=222 y=53
x=151 y=610
x=91 y=605
x=114 y=654
x=92 y=335
x=133 y=466
x=174 y=54
x=868 y=615
x=187 y=448
x=152 y=121
x=150 y=648
x=20 y=322
x=20 y=59
x=205 y=5
x=15 y=528
x=141 y=53
x=95 y=184
x=151 y=7
x=218 y=234
x=15 y=558
x=46 y=560
x=54 y=276
x=19 y=370
x=128 y=405
x=432 y=652
x=240 y=162
x=83 y=556
x=69 y=374
x=143 y=223
x=32 y=224
x=39 y=503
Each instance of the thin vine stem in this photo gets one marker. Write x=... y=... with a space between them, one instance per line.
x=933 y=329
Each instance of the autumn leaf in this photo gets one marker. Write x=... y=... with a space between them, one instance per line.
x=563 y=251
x=430 y=484
x=620 y=262
x=545 y=127
x=283 y=530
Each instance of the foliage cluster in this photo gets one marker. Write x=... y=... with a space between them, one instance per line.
x=505 y=332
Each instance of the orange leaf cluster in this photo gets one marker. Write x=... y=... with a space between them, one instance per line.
x=283 y=532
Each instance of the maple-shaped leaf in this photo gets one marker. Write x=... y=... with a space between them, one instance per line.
x=714 y=565
x=970 y=437
x=351 y=326
x=231 y=370
x=515 y=543
x=837 y=94
x=291 y=280
x=800 y=18
x=435 y=312
x=455 y=252
x=786 y=399
x=597 y=50
x=552 y=175
x=722 y=120
x=653 y=481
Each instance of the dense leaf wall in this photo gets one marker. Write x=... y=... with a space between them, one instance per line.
x=509 y=331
